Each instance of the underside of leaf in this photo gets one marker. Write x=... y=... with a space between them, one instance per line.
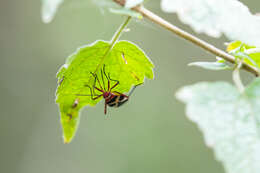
x=229 y=121
x=125 y=63
x=214 y=17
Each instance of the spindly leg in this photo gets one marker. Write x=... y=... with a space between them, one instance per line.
x=94 y=85
x=102 y=78
x=117 y=82
x=108 y=81
x=91 y=94
x=133 y=88
x=96 y=78
x=105 y=109
x=95 y=98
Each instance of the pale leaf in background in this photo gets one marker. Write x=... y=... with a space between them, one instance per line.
x=132 y=3
x=49 y=9
x=214 y=17
x=229 y=121
x=211 y=65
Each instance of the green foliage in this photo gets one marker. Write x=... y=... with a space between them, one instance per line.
x=245 y=52
x=125 y=62
x=229 y=121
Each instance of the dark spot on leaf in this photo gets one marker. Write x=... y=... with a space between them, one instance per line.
x=135 y=76
x=61 y=80
x=123 y=56
x=70 y=116
x=75 y=104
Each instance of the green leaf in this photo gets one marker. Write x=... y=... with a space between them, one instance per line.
x=236 y=44
x=229 y=121
x=49 y=8
x=245 y=52
x=211 y=65
x=214 y=18
x=125 y=11
x=125 y=62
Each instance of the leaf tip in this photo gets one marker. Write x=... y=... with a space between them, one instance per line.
x=184 y=94
x=49 y=9
x=66 y=140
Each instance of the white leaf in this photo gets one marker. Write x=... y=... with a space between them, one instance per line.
x=126 y=11
x=49 y=8
x=132 y=3
x=215 y=17
x=211 y=65
x=229 y=122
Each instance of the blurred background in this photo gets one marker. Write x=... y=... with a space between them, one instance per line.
x=149 y=134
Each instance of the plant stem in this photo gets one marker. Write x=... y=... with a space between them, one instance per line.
x=195 y=40
x=119 y=31
x=237 y=79
x=113 y=41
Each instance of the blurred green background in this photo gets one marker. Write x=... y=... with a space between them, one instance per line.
x=149 y=134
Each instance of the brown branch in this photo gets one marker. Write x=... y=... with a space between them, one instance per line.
x=195 y=40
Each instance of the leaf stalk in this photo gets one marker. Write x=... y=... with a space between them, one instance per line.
x=113 y=41
x=119 y=31
x=236 y=77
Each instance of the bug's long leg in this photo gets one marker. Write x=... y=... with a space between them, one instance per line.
x=102 y=77
x=108 y=81
x=114 y=85
x=94 y=84
x=95 y=98
x=96 y=78
x=131 y=91
x=133 y=88
x=93 y=93
x=105 y=109
x=117 y=82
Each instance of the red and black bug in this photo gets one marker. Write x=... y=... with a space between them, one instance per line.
x=112 y=98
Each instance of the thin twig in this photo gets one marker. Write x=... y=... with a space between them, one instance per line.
x=195 y=40
x=236 y=77
x=113 y=41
